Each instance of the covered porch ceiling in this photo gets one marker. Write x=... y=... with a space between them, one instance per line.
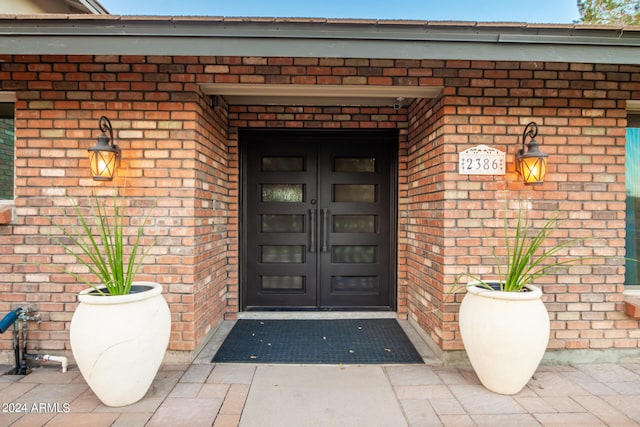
x=292 y=94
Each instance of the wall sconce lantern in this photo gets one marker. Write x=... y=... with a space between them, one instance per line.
x=104 y=157
x=532 y=164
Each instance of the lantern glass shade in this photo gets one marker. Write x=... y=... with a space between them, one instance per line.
x=103 y=159
x=532 y=169
x=531 y=163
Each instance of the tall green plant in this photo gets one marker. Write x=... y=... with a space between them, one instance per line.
x=103 y=253
x=526 y=259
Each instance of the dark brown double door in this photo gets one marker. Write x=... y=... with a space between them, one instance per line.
x=319 y=219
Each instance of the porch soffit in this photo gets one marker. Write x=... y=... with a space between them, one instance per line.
x=291 y=94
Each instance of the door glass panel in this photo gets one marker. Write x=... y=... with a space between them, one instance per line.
x=354 y=193
x=282 y=282
x=273 y=223
x=282 y=164
x=349 y=164
x=354 y=223
x=282 y=192
x=353 y=254
x=354 y=283
x=281 y=254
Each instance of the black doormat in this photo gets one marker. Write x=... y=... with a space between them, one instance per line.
x=346 y=341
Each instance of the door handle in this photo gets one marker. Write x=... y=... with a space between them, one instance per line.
x=325 y=230
x=312 y=230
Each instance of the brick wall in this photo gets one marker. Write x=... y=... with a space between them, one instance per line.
x=454 y=220
x=175 y=162
x=181 y=155
x=214 y=221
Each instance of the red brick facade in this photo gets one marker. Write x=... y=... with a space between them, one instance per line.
x=181 y=156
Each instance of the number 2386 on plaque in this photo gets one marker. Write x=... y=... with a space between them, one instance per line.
x=481 y=160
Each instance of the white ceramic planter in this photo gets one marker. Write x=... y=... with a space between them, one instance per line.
x=119 y=342
x=505 y=335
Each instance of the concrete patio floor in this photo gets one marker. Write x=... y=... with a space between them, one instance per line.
x=204 y=394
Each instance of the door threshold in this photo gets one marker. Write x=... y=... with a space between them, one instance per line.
x=314 y=315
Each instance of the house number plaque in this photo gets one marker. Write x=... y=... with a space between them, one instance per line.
x=481 y=160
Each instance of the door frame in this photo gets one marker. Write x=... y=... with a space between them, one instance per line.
x=393 y=136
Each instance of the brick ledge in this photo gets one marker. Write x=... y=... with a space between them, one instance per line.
x=632 y=305
x=6 y=214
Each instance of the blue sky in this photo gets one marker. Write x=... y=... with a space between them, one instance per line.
x=532 y=11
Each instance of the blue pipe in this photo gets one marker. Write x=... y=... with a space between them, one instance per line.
x=9 y=319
